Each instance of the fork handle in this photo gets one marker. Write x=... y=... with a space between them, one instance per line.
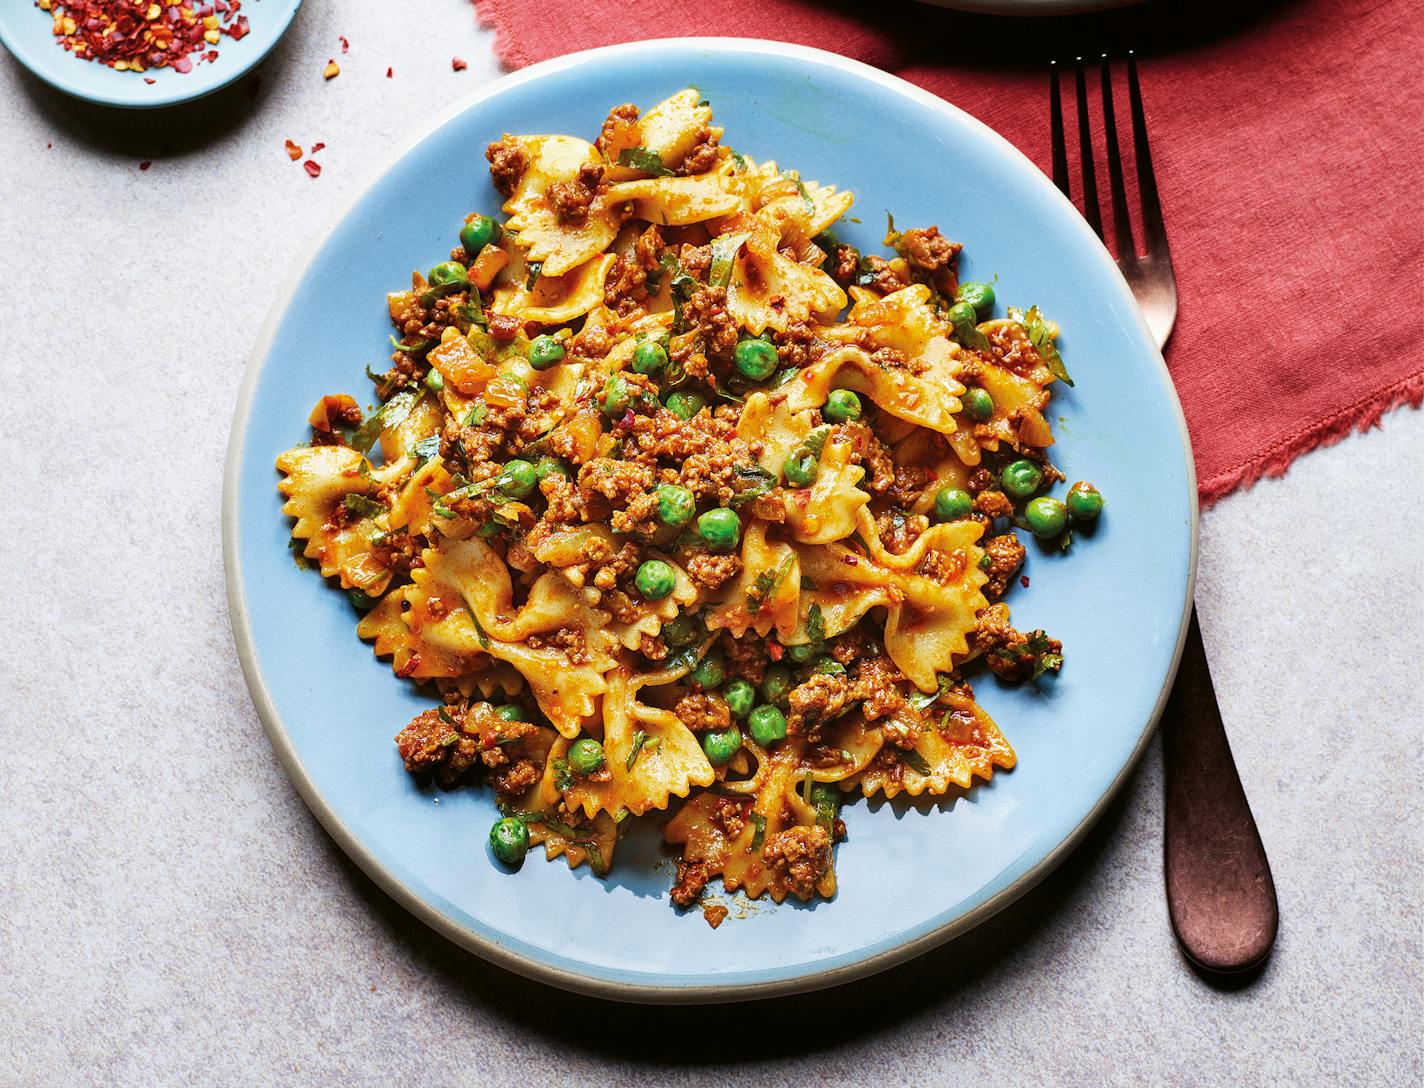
x=1220 y=894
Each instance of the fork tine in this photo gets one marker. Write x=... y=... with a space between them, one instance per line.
x=1154 y=229
x=1122 y=227
x=1055 y=125
x=1085 y=154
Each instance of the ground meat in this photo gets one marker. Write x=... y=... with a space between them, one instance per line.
x=799 y=345
x=607 y=484
x=883 y=278
x=845 y=264
x=619 y=130
x=570 y=200
x=711 y=569
x=434 y=747
x=1006 y=556
x=1012 y=656
x=706 y=312
x=746 y=659
x=981 y=479
x=513 y=780
x=568 y=641
x=868 y=450
x=589 y=343
x=1011 y=348
x=692 y=877
x=730 y=815
x=994 y=504
x=814 y=703
x=626 y=286
x=898 y=531
x=936 y=256
x=621 y=564
x=508 y=161
x=503 y=326
x=940 y=566
x=704 y=154
x=801 y=856
x=879 y=685
x=695 y=260
x=703 y=712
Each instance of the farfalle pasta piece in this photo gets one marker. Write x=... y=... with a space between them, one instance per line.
x=317 y=481
x=555 y=245
x=668 y=131
x=894 y=389
x=768 y=290
x=555 y=300
x=563 y=834
x=766 y=594
x=965 y=744
x=795 y=209
x=649 y=756
x=771 y=842
x=678 y=202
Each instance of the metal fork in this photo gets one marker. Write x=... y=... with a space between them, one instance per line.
x=1220 y=894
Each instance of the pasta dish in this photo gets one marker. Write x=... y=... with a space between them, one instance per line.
x=675 y=503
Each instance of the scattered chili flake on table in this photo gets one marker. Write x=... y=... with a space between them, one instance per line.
x=145 y=164
x=390 y=72
x=138 y=35
x=312 y=168
x=332 y=70
x=345 y=45
x=294 y=151
x=1023 y=580
x=458 y=64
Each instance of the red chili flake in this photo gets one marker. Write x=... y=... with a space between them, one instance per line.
x=294 y=151
x=139 y=35
x=458 y=64
x=149 y=80
x=345 y=45
x=390 y=72
x=1023 y=580
x=145 y=164
x=774 y=650
x=313 y=169
x=317 y=147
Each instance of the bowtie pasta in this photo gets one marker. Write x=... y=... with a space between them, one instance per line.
x=676 y=501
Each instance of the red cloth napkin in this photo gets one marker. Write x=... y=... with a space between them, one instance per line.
x=1285 y=142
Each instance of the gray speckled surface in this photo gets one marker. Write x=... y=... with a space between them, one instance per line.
x=171 y=914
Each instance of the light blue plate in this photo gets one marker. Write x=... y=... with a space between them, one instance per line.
x=27 y=32
x=910 y=876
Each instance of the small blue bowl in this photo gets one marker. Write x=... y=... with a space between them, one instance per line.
x=910 y=875
x=28 y=33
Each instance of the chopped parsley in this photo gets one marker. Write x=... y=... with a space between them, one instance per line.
x=644 y=160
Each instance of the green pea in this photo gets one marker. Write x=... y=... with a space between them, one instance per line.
x=550 y=466
x=509 y=839
x=682 y=630
x=676 y=505
x=585 y=756
x=961 y=313
x=1085 y=502
x=1021 y=478
x=1046 y=516
x=767 y=725
x=720 y=529
x=740 y=696
x=649 y=357
x=518 y=479
x=448 y=274
x=722 y=745
x=803 y=653
x=616 y=396
x=710 y=672
x=655 y=579
x=978 y=295
x=434 y=381
x=684 y=405
x=979 y=404
x=828 y=666
x=776 y=685
x=801 y=468
x=755 y=358
x=842 y=406
x=478 y=233
x=544 y=352
x=952 y=503
x=511 y=712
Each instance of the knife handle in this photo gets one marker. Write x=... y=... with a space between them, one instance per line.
x=1220 y=894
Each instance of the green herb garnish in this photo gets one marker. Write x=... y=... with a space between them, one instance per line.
x=759 y=835
x=766 y=583
x=640 y=738
x=645 y=160
x=758 y=482
x=915 y=761
x=363 y=506
x=390 y=414
x=724 y=254
x=1041 y=333
x=815 y=624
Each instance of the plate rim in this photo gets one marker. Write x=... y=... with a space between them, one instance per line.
x=350 y=843
x=161 y=99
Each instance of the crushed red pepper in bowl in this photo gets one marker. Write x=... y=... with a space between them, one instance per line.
x=139 y=35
